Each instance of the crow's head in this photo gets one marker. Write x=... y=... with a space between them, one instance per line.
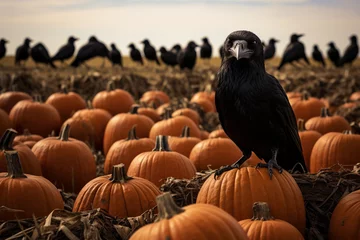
x=353 y=39
x=146 y=42
x=72 y=39
x=273 y=41
x=316 y=47
x=295 y=37
x=131 y=45
x=192 y=45
x=331 y=44
x=27 y=41
x=93 y=39
x=3 y=41
x=113 y=46
x=176 y=47
x=163 y=50
x=205 y=40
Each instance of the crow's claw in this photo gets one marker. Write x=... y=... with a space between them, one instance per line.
x=270 y=166
x=223 y=169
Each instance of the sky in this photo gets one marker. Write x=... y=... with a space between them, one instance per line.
x=166 y=22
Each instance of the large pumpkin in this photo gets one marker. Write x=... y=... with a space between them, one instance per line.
x=5 y=122
x=161 y=163
x=155 y=97
x=236 y=191
x=188 y=112
x=81 y=129
x=124 y=151
x=183 y=144
x=196 y=221
x=25 y=195
x=9 y=99
x=66 y=162
x=306 y=107
x=121 y=196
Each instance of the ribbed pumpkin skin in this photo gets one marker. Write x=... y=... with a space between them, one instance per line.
x=204 y=135
x=149 y=112
x=29 y=137
x=115 y=101
x=306 y=109
x=199 y=221
x=325 y=125
x=220 y=133
x=9 y=99
x=308 y=140
x=183 y=145
x=333 y=148
x=188 y=112
x=345 y=220
x=157 y=97
x=81 y=129
x=5 y=122
x=235 y=192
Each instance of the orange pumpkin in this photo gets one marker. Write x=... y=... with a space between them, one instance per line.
x=306 y=107
x=236 y=191
x=124 y=151
x=121 y=196
x=5 y=122
x=220 y=133
x=81 y=129
x=28 y=137
x=188 y=112
x=150 y=113
x=293 y=95
x=204 y=134
x=205 y=104
x=25 y=195
x=355 y=96
x=208 y=94
x=9 y=99
x=183 y=144
x=161 y=163
x=189 y=223
x=161 y=109
x=155 y=97
x=66 y=162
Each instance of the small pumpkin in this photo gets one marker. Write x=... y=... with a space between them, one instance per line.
x=188 y=112
x=208 y=94
x=81 y=129
x=306 y=107
x=162 y=108
x=155 y=97
x=9 y=99
x=355 y=96
x=204 y=134
x=205 y=104
x=219 y=133
x=27 y=136
x=150 y=113
x=5 y=122
x=183 y=144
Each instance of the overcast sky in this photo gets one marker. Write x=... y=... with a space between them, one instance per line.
x=166 y=22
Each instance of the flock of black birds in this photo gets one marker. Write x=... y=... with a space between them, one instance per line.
x=185 y=58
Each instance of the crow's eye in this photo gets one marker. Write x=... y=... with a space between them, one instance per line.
x=254 y=42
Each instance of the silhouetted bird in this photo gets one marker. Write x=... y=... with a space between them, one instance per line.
x=317 y=55
x=221 y=51
x=351 y=52
x=295 y=51
x=205 y=49
x=150 y=52
x=92 y=49
x=176 y=49
x=168 y=57
x=22 y=52
x=187 y=57
x=270 y=49
x=253 y=108
x=333 y=54
x=3 y=47
x=66 y=51
x=115 y=56
x=40 y=54
x=135 y=54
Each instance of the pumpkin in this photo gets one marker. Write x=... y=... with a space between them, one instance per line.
x=236 y=191
x=161 y=109
x=25 y=195
x=150 y=113
x=81 y=129
x=263 y=226
x=293 y=95
x=196 y=221
x=113 y=100
x=124 y=151
x=188 y=112
x=208 y=94
x=205 y=104
x=28 y=137
x=38 y=118
x=66 y=162
x=335 y=148
x=349 y=105
x=219 y=133
x=325 y=123
x=66 y=103
x=29 y=162
x=183 y=144
x=155 y=97
x=119 y=126
x=354 y=96
x=120 y=195
x=9 y=99
x=5 y=122
x=161 y=163
x=345 y=219
x=173 y=126
x=306 y=107
x=204 y=134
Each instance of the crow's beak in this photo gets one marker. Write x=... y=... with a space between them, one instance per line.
x=6 y=41
x=240 y=50
x=300 y=35
x=275 y=40
x=76 y=39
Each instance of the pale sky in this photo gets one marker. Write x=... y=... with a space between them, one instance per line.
x=166 y=22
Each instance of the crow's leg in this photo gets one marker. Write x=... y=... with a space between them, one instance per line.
x=237 y=164
x=272 y=163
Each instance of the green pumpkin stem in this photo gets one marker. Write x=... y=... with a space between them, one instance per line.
x=167 y=207
x=132 y=134
x=14 y=165
x=261 y=212
x=168 y=113
x=7 y=139
x=162 y=144
x=185 y=132
x=134 y=109
x=119 y=174
x=301 y=125
x=324 y=112
x=65 y=133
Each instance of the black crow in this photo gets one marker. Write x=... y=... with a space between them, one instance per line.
x=168 y=57
x=351 y=52
x=187 y=57
x=22 y=52
x=3 y=47
x=135 y=54
x=115 y=56
x=221 y=51
x=295 y=51
x=40 y=54
x=270 y=49
x=253 y=108
x=205 y=49
x=333 y=54
x=176 y=49
x=66 y=51
x=150 y=52
x=93 y=48
x=317 y=55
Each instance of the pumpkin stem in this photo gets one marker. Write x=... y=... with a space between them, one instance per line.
x=64 y=89
x=134 y=109
x=208 y=88
x=324 y=112
x=168 y=113
x=305 y=96
x=65 y=133
x=301 y=125
x=167 y=207
x=185 y=132
x=89 y=104
x=119 y=174
x=162 y=144
x=261 y=212
x=37 y=98
x=132 y=134
x=110 y=86
x=14 y=165
x=347 y=132
x=7 y=139
x=143 y=104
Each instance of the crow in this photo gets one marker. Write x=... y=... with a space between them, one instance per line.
x=93 y=48
x=23 y=51
x=40 y=54
x=150 y=52
x=205 y=49
x=187 y=57
x=333 y=54
x=253 y=108
x=295 y=51
x=168 y=57
x=317 y=55
x=3 y=47
x=351 y=52
x=135 y=54
x=176 y=49
x=115 y=56
x=66 y=51
x=221 y=51
x=270 y=49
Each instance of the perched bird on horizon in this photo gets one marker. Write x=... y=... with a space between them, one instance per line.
x=221 y=51
x=205 y=49
x=176 y=49
x=23 y=52
x=40 y=54
x=253 y=108
x=187 y=57
x=333 y=54
x=295 y=51
x=135 y=54
x=115 y=56
x=93 y=48
x=150 y=52
x=317 y=55
x=270 y=49
x=168 y=57
x=3 y=42
x=351 y=52
x=66 y=51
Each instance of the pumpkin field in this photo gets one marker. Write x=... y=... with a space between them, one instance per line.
x=130 y=153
